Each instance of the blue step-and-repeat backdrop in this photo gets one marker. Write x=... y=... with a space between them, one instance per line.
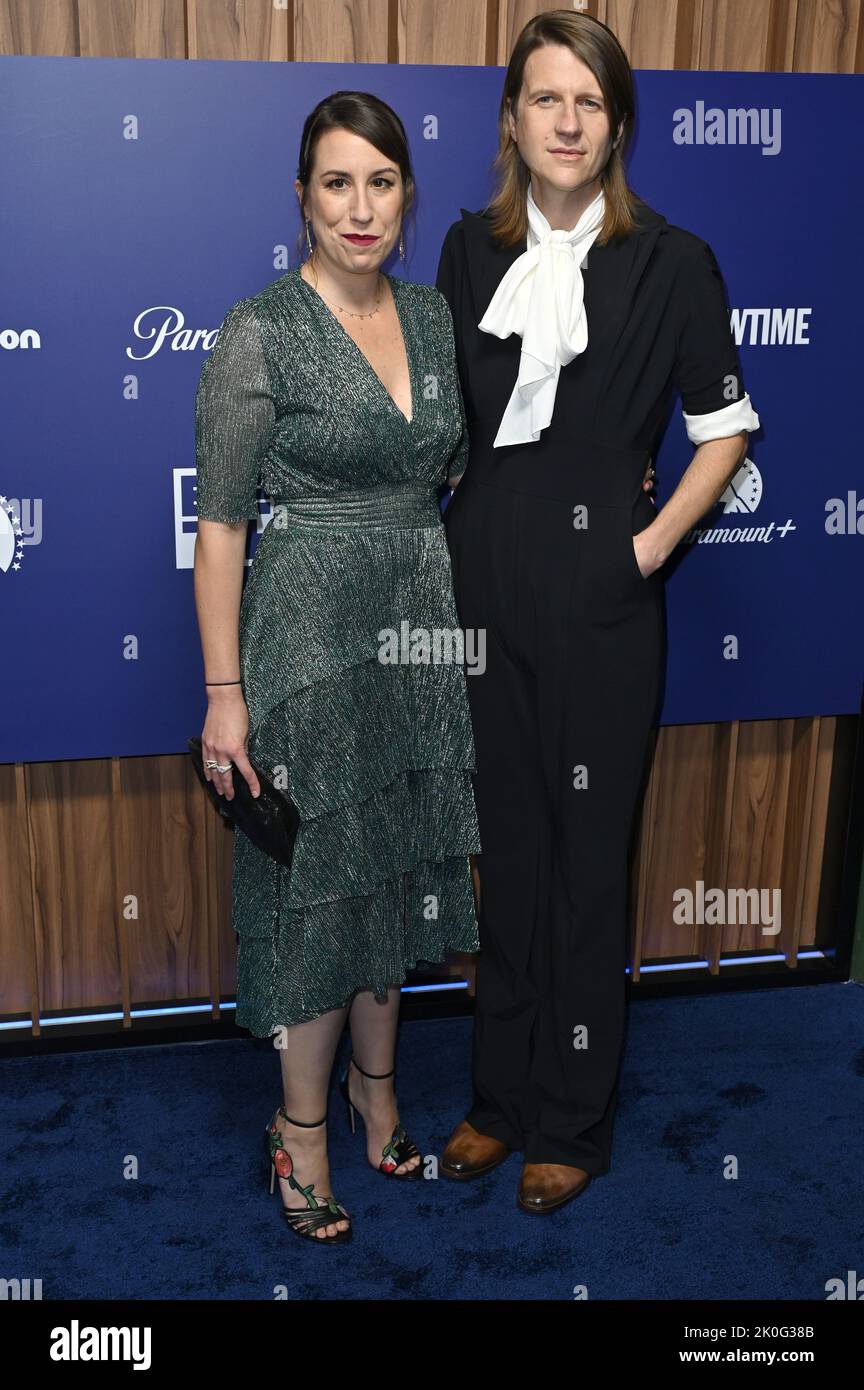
x=141 y=199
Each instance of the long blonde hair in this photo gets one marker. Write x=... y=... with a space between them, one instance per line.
x=598 y=48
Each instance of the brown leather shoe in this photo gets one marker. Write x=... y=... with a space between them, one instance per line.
x=547 y=1186
x=469 y=1154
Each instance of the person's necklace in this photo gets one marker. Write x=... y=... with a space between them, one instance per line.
x=350 y=312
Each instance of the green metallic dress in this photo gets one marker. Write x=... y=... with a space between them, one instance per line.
x=349 y=653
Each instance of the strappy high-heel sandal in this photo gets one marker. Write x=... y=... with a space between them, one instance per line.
x=320 y=1211
x=400 y=1148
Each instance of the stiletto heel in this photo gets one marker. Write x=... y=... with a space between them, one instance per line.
x=319 y=1211
x=400 y=1148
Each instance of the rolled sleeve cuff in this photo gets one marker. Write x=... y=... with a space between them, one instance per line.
x=719 y=424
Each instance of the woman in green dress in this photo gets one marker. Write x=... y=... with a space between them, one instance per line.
x=336 y=388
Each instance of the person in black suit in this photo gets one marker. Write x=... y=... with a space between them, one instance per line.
x=578 y=312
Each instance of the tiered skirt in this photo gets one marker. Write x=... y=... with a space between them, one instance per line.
x=377 y=754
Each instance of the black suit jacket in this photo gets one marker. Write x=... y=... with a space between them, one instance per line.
x=658 y=323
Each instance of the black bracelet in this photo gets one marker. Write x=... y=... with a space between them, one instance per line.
x=222 y=682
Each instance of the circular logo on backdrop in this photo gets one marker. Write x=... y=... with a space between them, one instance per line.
x=744 y=492
x=8 y=523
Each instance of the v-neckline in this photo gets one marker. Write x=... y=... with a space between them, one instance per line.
x=406 y=339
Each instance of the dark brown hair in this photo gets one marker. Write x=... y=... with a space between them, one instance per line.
x=598 y=48
x=365 y=115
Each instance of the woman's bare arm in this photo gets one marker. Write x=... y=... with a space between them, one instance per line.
x=220 y=551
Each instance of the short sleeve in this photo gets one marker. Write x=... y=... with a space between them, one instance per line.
x=707 y=371
x=445 y=280
x=448 y=287
x=458 y=461
x=234 y=414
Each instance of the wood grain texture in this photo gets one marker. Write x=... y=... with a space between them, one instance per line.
x=756 y=803
x=74 y=920
x=450 y=31
x=47 y=28
x=342 y=31
x=165 y=871
x=240 y=29
x=18 y=979
x=131 y=29
x=828 y=37
x=677 y=827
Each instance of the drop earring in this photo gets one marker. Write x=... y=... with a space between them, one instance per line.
x=308 y=240
x=401 y=247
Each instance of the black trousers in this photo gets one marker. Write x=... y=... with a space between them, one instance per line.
x=562 y=713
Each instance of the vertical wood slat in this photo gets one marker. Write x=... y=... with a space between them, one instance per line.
x=735 y=35
x=393 y=29
x=28 y=859
x=763 y=786
x=662 y=34
x=17 y=964
x=343 y=31
x=813 y=846
x=797 y=843
x=721 y=804
x=74 y=920
x=679 y=837
x=168 y=871
x=828 y=37
x=644 y=854
x=688 y=30
x=745 y=833
x=206 y=864
x=221 y=861
x=254 y=30
x=131 y=28
x=43 y=28
x=449 y=32
x=119 y=843
x=780 y=38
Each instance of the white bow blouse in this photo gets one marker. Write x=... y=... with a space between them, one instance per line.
x=542 y=298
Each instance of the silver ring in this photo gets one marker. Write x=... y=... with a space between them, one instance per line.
x=211 y=763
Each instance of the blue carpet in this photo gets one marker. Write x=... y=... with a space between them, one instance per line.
x=774 y=1078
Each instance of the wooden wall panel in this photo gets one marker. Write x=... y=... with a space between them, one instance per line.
x=814 y=846
x=164 y=869
x=828 y=37
x=220 y=859
x=252 y=30
x=661 y=35
x=653 y=33
x=742 y=805
x=74 y=923
x=131 y=29
x=739 y=804
x=40 y=27
x=760 y=801
x=677 y=828
x=18 y=989
x=342 y=31
x=734 y=35
x=450 y=32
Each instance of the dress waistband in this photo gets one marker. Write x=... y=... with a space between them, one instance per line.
x=393 y=505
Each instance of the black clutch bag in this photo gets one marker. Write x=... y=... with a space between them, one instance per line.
x=270 y=820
